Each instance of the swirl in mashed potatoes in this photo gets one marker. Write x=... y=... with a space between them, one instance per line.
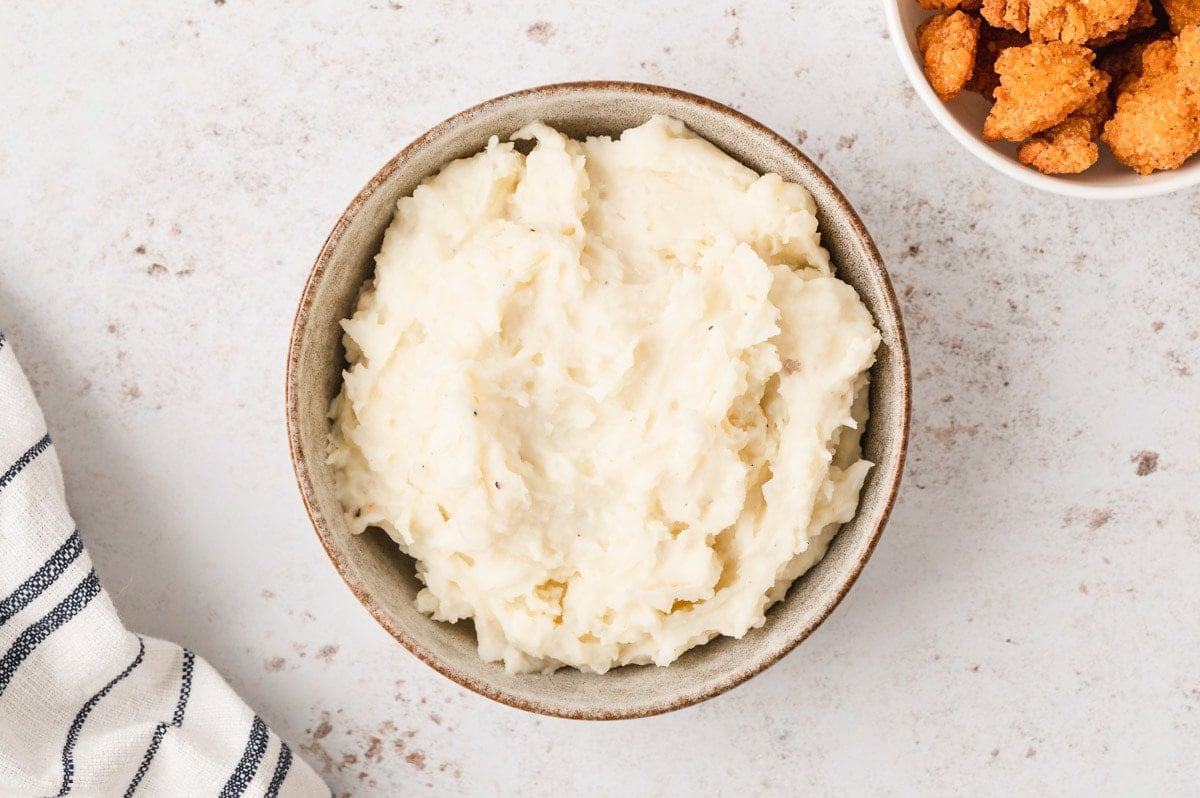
x=607 y=395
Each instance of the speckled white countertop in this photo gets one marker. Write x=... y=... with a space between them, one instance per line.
x=1030 y=623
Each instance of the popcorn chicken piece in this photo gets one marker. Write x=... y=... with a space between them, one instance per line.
x=1142 y=19
x=948 y=43
x=1064 y=149
x=992 y=42
x=1011 y=14
x=1123 y=61
x=1040 y=86
x=1077 y=21
x=1187 y=58
x=1095 y=112
x=949 y=5
x=1181 y=13
x=1157 y=121
x=1070 y=146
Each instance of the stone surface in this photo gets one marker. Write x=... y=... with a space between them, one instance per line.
x=168 y=171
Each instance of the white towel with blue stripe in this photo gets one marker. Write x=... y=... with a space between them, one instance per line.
x=88 y=708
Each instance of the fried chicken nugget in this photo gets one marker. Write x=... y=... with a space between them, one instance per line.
x=992 y=42
x=1187 y=59
x=1142 y=19
x=1157 y=121
x=1011 y=14
x=949 y=5
x=948 y=43
x=1123 y=61
x=1040 y=86
x=1181 y=13
x=1077 y=21
x=1070 y=146
x=1065 y=149
x=1095 y=112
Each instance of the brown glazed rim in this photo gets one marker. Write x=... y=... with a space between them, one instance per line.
x=301 y=469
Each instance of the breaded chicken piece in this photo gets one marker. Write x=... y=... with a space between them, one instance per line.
x=1157 y=121
x=1181 y=13
x=992 y=42
x=1077 y=21
x=1095 y=112
x=1123 y=61
x=948 y=42
x=1065 y=149
x=1011 y=14
x=949 y=5
x=1142 y=19
x=1040 y=86
x=1187 y=58
x=1070 y=146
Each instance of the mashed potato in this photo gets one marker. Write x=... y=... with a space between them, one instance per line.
x=608 y=395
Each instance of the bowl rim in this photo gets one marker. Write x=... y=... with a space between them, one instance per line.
x=1162 y=182
x=889 y=490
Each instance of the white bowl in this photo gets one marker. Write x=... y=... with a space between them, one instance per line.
x=964 y=115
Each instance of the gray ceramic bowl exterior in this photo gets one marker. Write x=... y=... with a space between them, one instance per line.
x=383 y=579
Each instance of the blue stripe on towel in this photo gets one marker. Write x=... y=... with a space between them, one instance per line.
x=25 y=460
x=185 y=691
x=77 y=724
x=42 y=578
x=256 y=747
x=33 y=636
x=185 y=687
x=281 y=770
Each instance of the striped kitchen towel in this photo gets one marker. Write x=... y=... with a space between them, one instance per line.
x=87 y=707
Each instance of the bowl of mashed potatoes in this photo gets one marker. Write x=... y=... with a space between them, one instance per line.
x=598 y=398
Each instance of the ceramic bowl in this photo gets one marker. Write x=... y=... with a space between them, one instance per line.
x=371 y=564
x=963 y=118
